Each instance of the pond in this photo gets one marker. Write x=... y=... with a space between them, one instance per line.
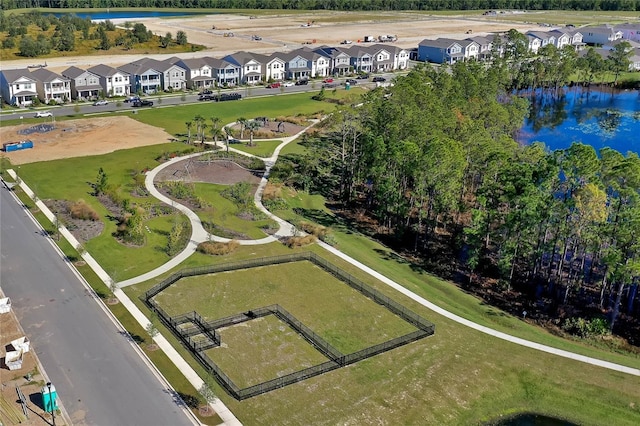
x=597 y=118
x=530 y=419
x=118 y=14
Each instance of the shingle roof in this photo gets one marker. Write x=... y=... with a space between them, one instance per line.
x=73 y=72
x=103 y=70
x=439 y=42
x=13 y=75
x=45 y=75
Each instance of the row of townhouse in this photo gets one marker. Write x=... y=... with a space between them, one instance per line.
x=450 y=51
x=22 y=86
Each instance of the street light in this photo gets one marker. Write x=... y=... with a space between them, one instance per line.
x=53 y=416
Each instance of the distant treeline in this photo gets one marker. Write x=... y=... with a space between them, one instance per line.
x=611 y=5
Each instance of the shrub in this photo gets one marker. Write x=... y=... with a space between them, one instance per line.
x=318 y=231
x=218 y=249
x=586 y=328
x=300 y=241
x=81 y=210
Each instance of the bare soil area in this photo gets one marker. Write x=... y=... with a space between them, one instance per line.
x=222 y=172
x=80 y=138
x=10 y=408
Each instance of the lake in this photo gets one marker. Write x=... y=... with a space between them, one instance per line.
x=116 y=14
x=597 y=118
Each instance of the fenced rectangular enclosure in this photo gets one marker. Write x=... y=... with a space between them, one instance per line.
x=322 y=313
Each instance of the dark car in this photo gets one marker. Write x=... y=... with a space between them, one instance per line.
x=302 y=82
x=351 y=81
x=142 y=103
x=363 y=76
x=379 y=79
x=227 y=97
x=206 y=92
x=234 y=140
x=329 y=85
x=206 y=97
x=132 y=99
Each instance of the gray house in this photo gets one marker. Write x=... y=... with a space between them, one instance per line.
x=225 y=73
x=600 y=35
x=84 y=84
x=18 y=87
x=144 y=75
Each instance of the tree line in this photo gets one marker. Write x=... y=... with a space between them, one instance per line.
x=609 y=5
x=434 y=162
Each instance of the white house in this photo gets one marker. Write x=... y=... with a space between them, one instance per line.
x=52 y=86
x=199 y=73
x=534 y=43
x=114 y=82
x=338 y=60
x=562 y=38
x=18 y=87
x=274 y=67
x=544 y=37
x=251 y=68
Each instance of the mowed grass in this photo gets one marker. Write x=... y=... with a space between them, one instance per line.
x=262 y=349
x=71 y=179
x=260 y=148
x=339 y=314
x=224 y=214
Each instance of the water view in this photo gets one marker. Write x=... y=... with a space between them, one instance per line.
x=531 y=419
x=598 y=118
x=102 y=16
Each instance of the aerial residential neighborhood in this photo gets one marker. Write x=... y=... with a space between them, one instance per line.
x=308 y=213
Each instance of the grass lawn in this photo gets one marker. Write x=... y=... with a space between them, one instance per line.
x=339 y=314
x=261 y=148
x=224 y=214
x=173 y=119
x=261 y=350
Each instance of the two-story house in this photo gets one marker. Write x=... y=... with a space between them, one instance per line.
x=485 y=47
x=599 y=36
x=361 y=59
x=114 y=82
x=533 y=43
x=18 y=87
x=143 y=76
x=576 y=40
x=562 y=38
x=630 y=31
x=544 y=37
x=174 y=76
x=224 y=72
x=338 y=60
x=274 y=67
x=383 y=59
x=441 y=51
x=251 y=71
x=84 y=84
x=52 y=86
x=199 y=73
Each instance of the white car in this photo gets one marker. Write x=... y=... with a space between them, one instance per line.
x=101 y=102
x=288 y=83
x=41 y=114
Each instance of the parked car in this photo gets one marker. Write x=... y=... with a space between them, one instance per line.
x=101 y=102
x=328 y=80
x=142 y=103
x=302 y=82
x=351 y=81
x=227 y=97
x=206 y=92
x=346 y=42
x=363 y=76
x=273 y=85
x=329 y=85
x=256 y=38
x=132 y=99
x=379 y=79
x=234 y=140
x=41 y=114
x=206 y=97
x=288 y=83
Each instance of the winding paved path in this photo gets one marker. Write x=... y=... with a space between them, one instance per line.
x=286 y=229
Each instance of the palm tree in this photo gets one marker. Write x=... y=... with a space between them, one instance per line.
x=199 y=121
x=203 y=126
x=228 y=132
x=189 y=125
x=252 y=126
x=215 y=128
x=243 y=124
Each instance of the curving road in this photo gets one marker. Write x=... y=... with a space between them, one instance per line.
x=101 y=376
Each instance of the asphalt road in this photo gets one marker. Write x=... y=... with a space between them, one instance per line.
x=176 y=99
x=100 y=377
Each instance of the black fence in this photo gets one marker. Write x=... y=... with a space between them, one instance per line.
x=199 y=335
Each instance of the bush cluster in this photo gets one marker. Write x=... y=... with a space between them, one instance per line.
x=586 y=328
x=81 y=210
x=218 y=249
x=292 y=242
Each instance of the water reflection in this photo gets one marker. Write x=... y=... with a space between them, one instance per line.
x=596 y=117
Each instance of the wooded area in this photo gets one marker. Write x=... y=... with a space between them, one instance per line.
x=612 y=5
x=431 y=167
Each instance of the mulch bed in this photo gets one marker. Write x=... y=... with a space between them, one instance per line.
x=220 y=172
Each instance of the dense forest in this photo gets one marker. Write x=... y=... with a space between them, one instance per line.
x=431 y=167
x=612 y=5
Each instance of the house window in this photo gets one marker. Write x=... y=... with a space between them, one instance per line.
x=27 y=86
x=118 y=90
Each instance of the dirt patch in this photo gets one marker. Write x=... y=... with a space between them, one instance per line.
x=80 y=138
x=272 y=129
x=222 y=172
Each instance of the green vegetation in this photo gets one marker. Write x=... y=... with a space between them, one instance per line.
x=260 y=148
x=36 y=35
